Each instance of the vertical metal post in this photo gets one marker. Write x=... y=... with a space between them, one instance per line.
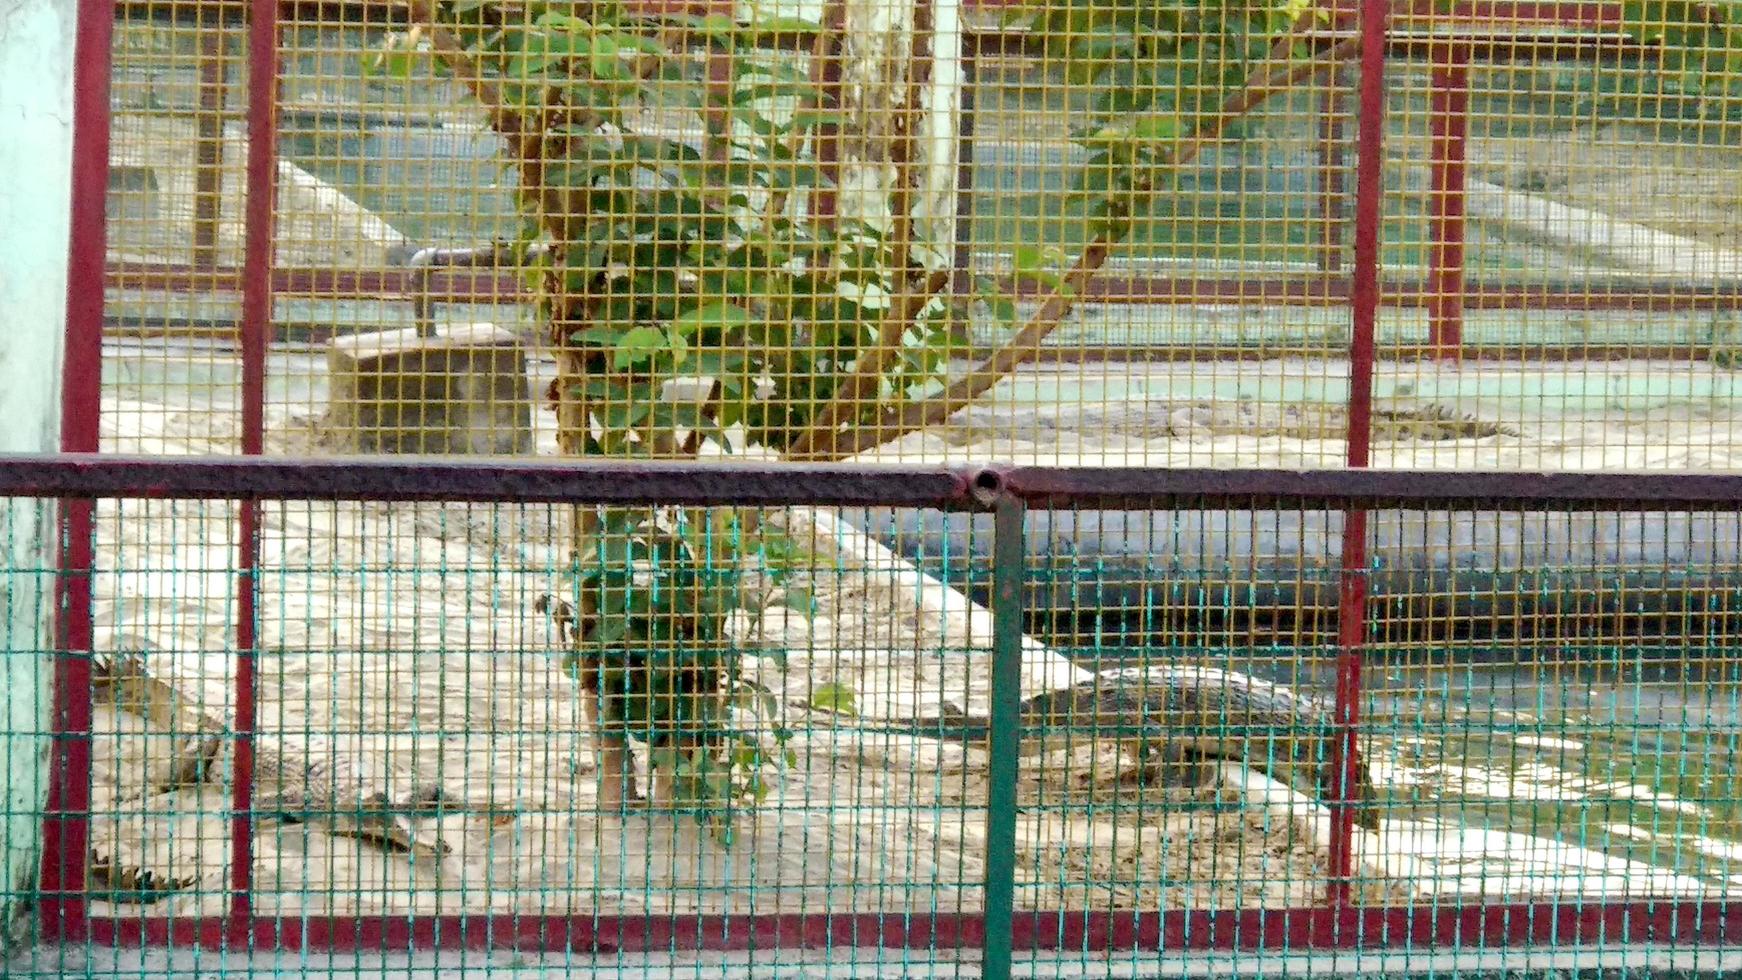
x=1331 y=124
x=1352 y=591
x=257 y=245
x=209 y=147
x=826 y=74
x=964 y=252
x=1007 y=573
x=257 y=259
x=66 y=831
x=1448 y=121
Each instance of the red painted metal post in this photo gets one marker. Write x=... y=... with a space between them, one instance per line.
x=964 y=252
x=66 y=829
x=1352 y=593
x=1428 y=926
x=1449 y=120
x=826 y=73
x=257 y=260
x=209 y=150
x=1331 y=126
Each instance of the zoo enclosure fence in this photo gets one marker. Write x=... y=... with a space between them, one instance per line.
x=251 y=270
x=1449 y=91
x=1004 y=927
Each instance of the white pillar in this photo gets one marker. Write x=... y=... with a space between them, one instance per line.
x=36 y=110
x=877 y=56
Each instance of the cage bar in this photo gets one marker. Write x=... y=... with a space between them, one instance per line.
x=1464 y=495
x=1348 y=925
x=1450 y=120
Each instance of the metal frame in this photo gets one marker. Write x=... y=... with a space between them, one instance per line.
x=1008 y=492
x=1445 y=927
x=112 y=476
x=78 y=477
x=1584 y=30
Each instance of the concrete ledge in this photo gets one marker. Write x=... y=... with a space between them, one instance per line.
x=1625 y=243
x=462 y=390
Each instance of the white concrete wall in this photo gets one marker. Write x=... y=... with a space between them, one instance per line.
x=875 y=62
x=36 y=58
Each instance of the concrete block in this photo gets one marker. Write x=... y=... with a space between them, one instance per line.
x=462 y=390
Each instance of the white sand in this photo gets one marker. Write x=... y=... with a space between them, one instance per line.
x=407 y=632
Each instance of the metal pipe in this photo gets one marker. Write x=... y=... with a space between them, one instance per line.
x=1297 y=289
x=257 y=262
x=1633 y=924
x=1008 y=565
x=1364 y=297
x=1448 y=121
x=129 y=477
x=425 y=261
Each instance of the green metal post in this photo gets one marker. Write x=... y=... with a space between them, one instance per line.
x=1007 y=567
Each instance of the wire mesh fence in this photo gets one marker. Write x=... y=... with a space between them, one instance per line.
x=413 y=738
x=1094 y=233
x=1555 y=243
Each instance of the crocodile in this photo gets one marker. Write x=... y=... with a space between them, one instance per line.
x=297 y=779
x=1177 y=721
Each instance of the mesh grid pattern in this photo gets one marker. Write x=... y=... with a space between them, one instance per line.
x=1542 y=704
x=419 y=752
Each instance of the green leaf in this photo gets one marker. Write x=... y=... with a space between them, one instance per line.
x=597 y=336
x=717 y=316
x=1156 y=127
x=747 y=755
x=396 y=58
x=812 y=118
x=786 y=25
x=1034 y=260
x=799 y=600
x=744 y=95
x=637 y=346
x=833 y=697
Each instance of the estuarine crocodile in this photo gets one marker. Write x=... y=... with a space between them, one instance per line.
x=1184 y=717
x=298 y=778
x=1181 y=717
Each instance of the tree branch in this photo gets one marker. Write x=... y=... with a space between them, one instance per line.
x=910 y=297
x=1026 y=344
x=508 y=123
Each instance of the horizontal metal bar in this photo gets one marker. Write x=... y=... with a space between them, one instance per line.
x=1519 y=23
x=1485 y=42
x=1585 y=13
x=1333 y=290
x=1184 y=352
x=221 y=337
x=1469 y=926
x=81 y=475
x=492 y=286
x=456 y=285
x=1117 y=488
x=484 y=480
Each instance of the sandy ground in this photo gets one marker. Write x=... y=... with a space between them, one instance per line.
x=407 y=635
x=404 y=638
